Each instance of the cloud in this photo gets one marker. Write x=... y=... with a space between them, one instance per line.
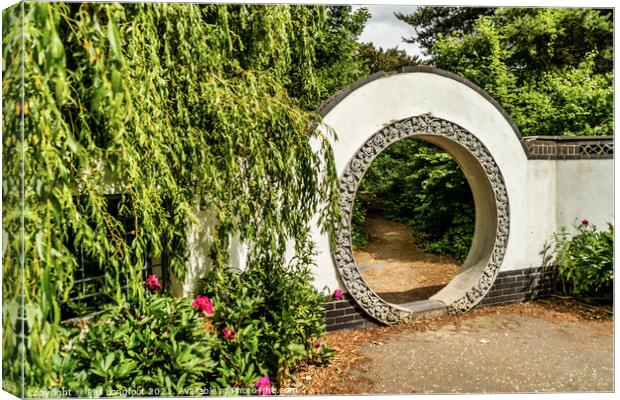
x=384 y=30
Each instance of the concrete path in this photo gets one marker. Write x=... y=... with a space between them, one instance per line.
x=493 y=353
x=552 y=345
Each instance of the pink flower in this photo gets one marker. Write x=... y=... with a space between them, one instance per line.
x=585 y=222
x=228 y=333
x=338 y=294
x=264 y=386
x=204 y=304
x=152 y=282
x=317 y=344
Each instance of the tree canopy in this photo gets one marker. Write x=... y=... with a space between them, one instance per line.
x=430 y=23
x=393 y=59
x=550 y=68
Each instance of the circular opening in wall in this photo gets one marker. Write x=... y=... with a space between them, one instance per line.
x=413 y=221
x=477 y=272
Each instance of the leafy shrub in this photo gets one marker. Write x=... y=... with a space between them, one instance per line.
x=584 y=262
x=258 y=324
x=277 y=315
x=164 y=351
x=551 y=69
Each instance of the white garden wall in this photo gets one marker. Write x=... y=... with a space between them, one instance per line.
x=549 y=182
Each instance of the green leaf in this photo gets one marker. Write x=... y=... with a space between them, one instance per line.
x=114 y=39
x=296 y=348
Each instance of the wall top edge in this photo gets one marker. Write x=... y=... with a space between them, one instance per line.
x=605 y=138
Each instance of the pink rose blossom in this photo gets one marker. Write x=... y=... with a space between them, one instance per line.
x=585 y=222
x=264 y=386
x=204 y=304
x=228 y=333
x=152 y=282
x=338 y=294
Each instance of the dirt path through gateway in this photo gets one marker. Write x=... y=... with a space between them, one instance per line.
x=396 y=268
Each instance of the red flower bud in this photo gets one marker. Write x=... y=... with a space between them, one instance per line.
x=228 y=333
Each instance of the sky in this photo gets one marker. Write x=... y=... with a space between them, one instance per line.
x=384 y=30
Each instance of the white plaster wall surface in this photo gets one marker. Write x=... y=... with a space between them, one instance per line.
x=585 y=190
x=543 y=194
x=537 y=225
x=382 y=101
x=199 y=264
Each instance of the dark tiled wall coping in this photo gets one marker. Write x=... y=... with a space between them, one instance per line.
x=569 y=147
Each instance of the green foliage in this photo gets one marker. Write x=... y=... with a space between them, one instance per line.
x=277 y=314
x=585 y=262
x=430 y=23
x=175 y=108
x=551 y=69
x=162 y=349
x=12 y=157
x=386 y=60
x=359 y=237
x=170 y=348
x=563 y=104
x=420 y=184
x=337 y=51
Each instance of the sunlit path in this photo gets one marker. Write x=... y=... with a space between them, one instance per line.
x=396 y=268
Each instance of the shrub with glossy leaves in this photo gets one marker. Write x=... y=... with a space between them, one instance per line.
x=585 y=261
x=163 y=350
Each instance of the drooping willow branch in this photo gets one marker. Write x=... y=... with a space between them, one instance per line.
x=171 y=107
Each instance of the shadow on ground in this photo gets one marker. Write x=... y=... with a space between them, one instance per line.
x=407 y=296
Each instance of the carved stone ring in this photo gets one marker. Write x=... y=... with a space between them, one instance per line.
x=475 y=282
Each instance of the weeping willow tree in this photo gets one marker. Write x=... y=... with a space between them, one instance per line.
x=172 y=107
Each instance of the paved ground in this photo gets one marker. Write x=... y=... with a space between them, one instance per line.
x=534 y=347
x=395 y=268
x=513 y=353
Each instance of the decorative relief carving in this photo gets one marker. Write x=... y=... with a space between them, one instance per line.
x=424 y=124
x=597 y=149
